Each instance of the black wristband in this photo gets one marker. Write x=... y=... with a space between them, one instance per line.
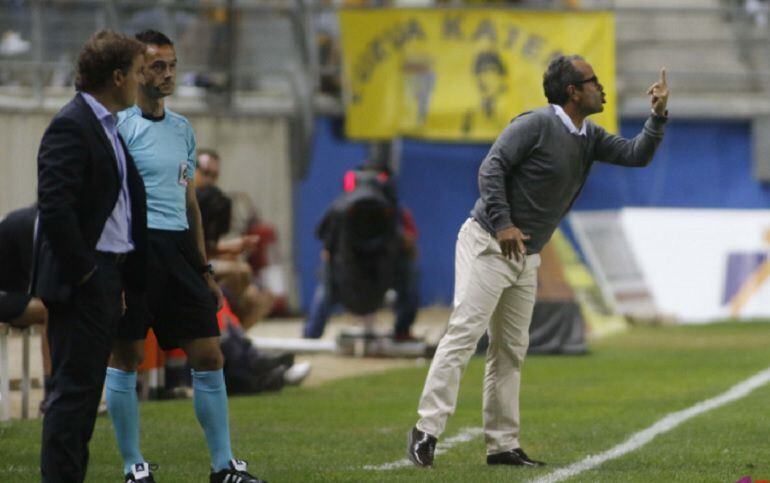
x=664 y=117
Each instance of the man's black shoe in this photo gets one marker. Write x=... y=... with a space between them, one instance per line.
x=141 y=473
x=235 y=473
x=515 y=457
x=420 y=448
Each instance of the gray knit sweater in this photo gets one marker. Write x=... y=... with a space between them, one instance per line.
x=536 y=169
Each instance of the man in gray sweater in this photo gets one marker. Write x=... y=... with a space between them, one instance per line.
x=528 y=182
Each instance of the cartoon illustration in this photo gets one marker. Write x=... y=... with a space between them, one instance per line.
x=490 y=74
x=419 y=81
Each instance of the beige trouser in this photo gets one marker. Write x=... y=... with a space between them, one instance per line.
x=491 y=292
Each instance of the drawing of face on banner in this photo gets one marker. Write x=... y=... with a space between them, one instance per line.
x=419 y=79
x=491 y=110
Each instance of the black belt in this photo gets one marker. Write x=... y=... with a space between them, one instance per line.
x=116 y=258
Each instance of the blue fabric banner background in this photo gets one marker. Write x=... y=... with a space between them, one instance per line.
x=700 y=164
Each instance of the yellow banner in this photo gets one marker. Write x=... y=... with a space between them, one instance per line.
x=459 y=74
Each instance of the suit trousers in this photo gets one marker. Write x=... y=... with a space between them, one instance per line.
x=496 y=294
x=80 y=335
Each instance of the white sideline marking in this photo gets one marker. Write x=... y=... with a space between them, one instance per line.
x=463 y=436
x=669 y=422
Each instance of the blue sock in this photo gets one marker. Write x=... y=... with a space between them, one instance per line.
x=123 y=406
x=210 y=401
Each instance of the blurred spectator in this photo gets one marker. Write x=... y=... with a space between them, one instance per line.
x=204 y=43
x=329 y=57
x=246 y=369
x=207 y=175
x=265 y=259
x=250 y=302
x=758 y=10
x=17 y=308
x=327 y=31
x=249 y=371
x=404 y=277
x=12 y=44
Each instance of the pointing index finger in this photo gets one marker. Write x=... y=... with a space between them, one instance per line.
x=663 y=76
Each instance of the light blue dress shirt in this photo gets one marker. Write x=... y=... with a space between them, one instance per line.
x=116 y=235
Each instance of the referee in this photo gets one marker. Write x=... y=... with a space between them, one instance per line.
x=528 y=181
x=182 y=297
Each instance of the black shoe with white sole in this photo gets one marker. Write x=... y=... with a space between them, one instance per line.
x=235 y=473
x=421 y=447
x=141 y=473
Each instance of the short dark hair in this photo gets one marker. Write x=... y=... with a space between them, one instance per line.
x=101 y=55
x=216 y=212
x=487 y=60
x=153 y=37
x=212 y=153
x=560 y=74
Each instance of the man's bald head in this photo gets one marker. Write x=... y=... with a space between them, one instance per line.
x=207 y=173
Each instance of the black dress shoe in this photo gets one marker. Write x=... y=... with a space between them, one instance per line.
x=515 y=457
x=420 y=448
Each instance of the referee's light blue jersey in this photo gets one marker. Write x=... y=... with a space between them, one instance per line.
x=164 y=152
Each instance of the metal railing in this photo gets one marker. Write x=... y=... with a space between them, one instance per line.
x=218 y=42
x=5 y=377
x=236 y=57
x=262 y=57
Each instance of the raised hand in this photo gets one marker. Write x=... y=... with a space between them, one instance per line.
x=659 y=93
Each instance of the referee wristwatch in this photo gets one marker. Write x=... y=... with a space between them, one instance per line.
x=207 y=269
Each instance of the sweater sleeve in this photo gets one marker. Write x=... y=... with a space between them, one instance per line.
x=512 y=147
x=635 y=152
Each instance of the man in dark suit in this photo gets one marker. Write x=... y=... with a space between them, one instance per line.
x=89 y=243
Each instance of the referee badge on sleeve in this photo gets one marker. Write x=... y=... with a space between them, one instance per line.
x=183 y=170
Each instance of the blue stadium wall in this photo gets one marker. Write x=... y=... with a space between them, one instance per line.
x=705 y=164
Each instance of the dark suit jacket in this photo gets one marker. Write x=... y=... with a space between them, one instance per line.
x=78 y=186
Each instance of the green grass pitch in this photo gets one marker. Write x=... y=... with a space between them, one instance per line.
x=571 y=407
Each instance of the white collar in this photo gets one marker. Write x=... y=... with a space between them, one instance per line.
x=565 y=119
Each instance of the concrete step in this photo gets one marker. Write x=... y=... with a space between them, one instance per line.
x=655 y=24
x=680 y=29
x=660 y=4
x=267 y=41
x=701 y=106
x=698 y=58
x=637 y=82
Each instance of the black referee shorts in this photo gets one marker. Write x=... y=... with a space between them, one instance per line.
x=178 y=304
